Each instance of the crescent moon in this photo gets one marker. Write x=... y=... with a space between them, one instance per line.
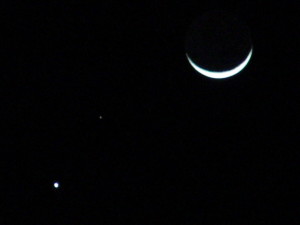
x=222 y=74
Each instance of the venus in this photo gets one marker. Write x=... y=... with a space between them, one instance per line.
x=56 y=185
x=218 y=45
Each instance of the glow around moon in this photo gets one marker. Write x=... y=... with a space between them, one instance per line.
x=222 y=74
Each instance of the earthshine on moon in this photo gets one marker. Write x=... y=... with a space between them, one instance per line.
x=218 y=45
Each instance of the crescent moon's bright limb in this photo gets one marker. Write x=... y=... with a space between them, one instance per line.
x=224 y=74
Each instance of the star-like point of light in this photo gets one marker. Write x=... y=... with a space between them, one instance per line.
x=56 y=185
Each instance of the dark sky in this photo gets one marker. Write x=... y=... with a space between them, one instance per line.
x=173 y=146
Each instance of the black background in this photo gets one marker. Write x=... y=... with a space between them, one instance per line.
x=173 y=145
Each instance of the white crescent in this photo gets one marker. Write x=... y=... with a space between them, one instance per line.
x=223 y=74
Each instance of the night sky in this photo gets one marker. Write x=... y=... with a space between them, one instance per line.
x=101 y=98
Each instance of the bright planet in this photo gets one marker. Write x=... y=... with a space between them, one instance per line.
x=56 y=185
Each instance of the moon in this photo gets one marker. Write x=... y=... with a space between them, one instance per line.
x=218 y=44
x=222 y=74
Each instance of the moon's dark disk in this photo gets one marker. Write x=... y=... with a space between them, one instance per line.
x=218 y=41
